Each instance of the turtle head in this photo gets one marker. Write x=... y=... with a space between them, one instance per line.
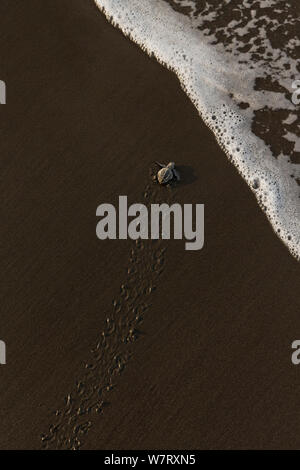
x=171 y=165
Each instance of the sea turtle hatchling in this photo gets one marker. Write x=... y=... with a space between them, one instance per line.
x=167 y=173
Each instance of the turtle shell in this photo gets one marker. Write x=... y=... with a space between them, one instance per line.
x=165 y=175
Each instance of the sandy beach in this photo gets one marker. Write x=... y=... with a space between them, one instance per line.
x=208 y=366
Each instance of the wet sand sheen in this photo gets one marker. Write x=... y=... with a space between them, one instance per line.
x=87 y=113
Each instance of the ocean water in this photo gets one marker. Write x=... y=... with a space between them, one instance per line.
x=238 y=61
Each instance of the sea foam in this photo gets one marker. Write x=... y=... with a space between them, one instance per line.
x=240 y=83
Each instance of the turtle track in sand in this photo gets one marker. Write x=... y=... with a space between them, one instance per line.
x=72 y=420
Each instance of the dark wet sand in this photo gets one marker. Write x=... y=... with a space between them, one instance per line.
x=87 y=113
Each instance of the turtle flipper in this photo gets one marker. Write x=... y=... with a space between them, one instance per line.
x=176 y=174
x=162 y=165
